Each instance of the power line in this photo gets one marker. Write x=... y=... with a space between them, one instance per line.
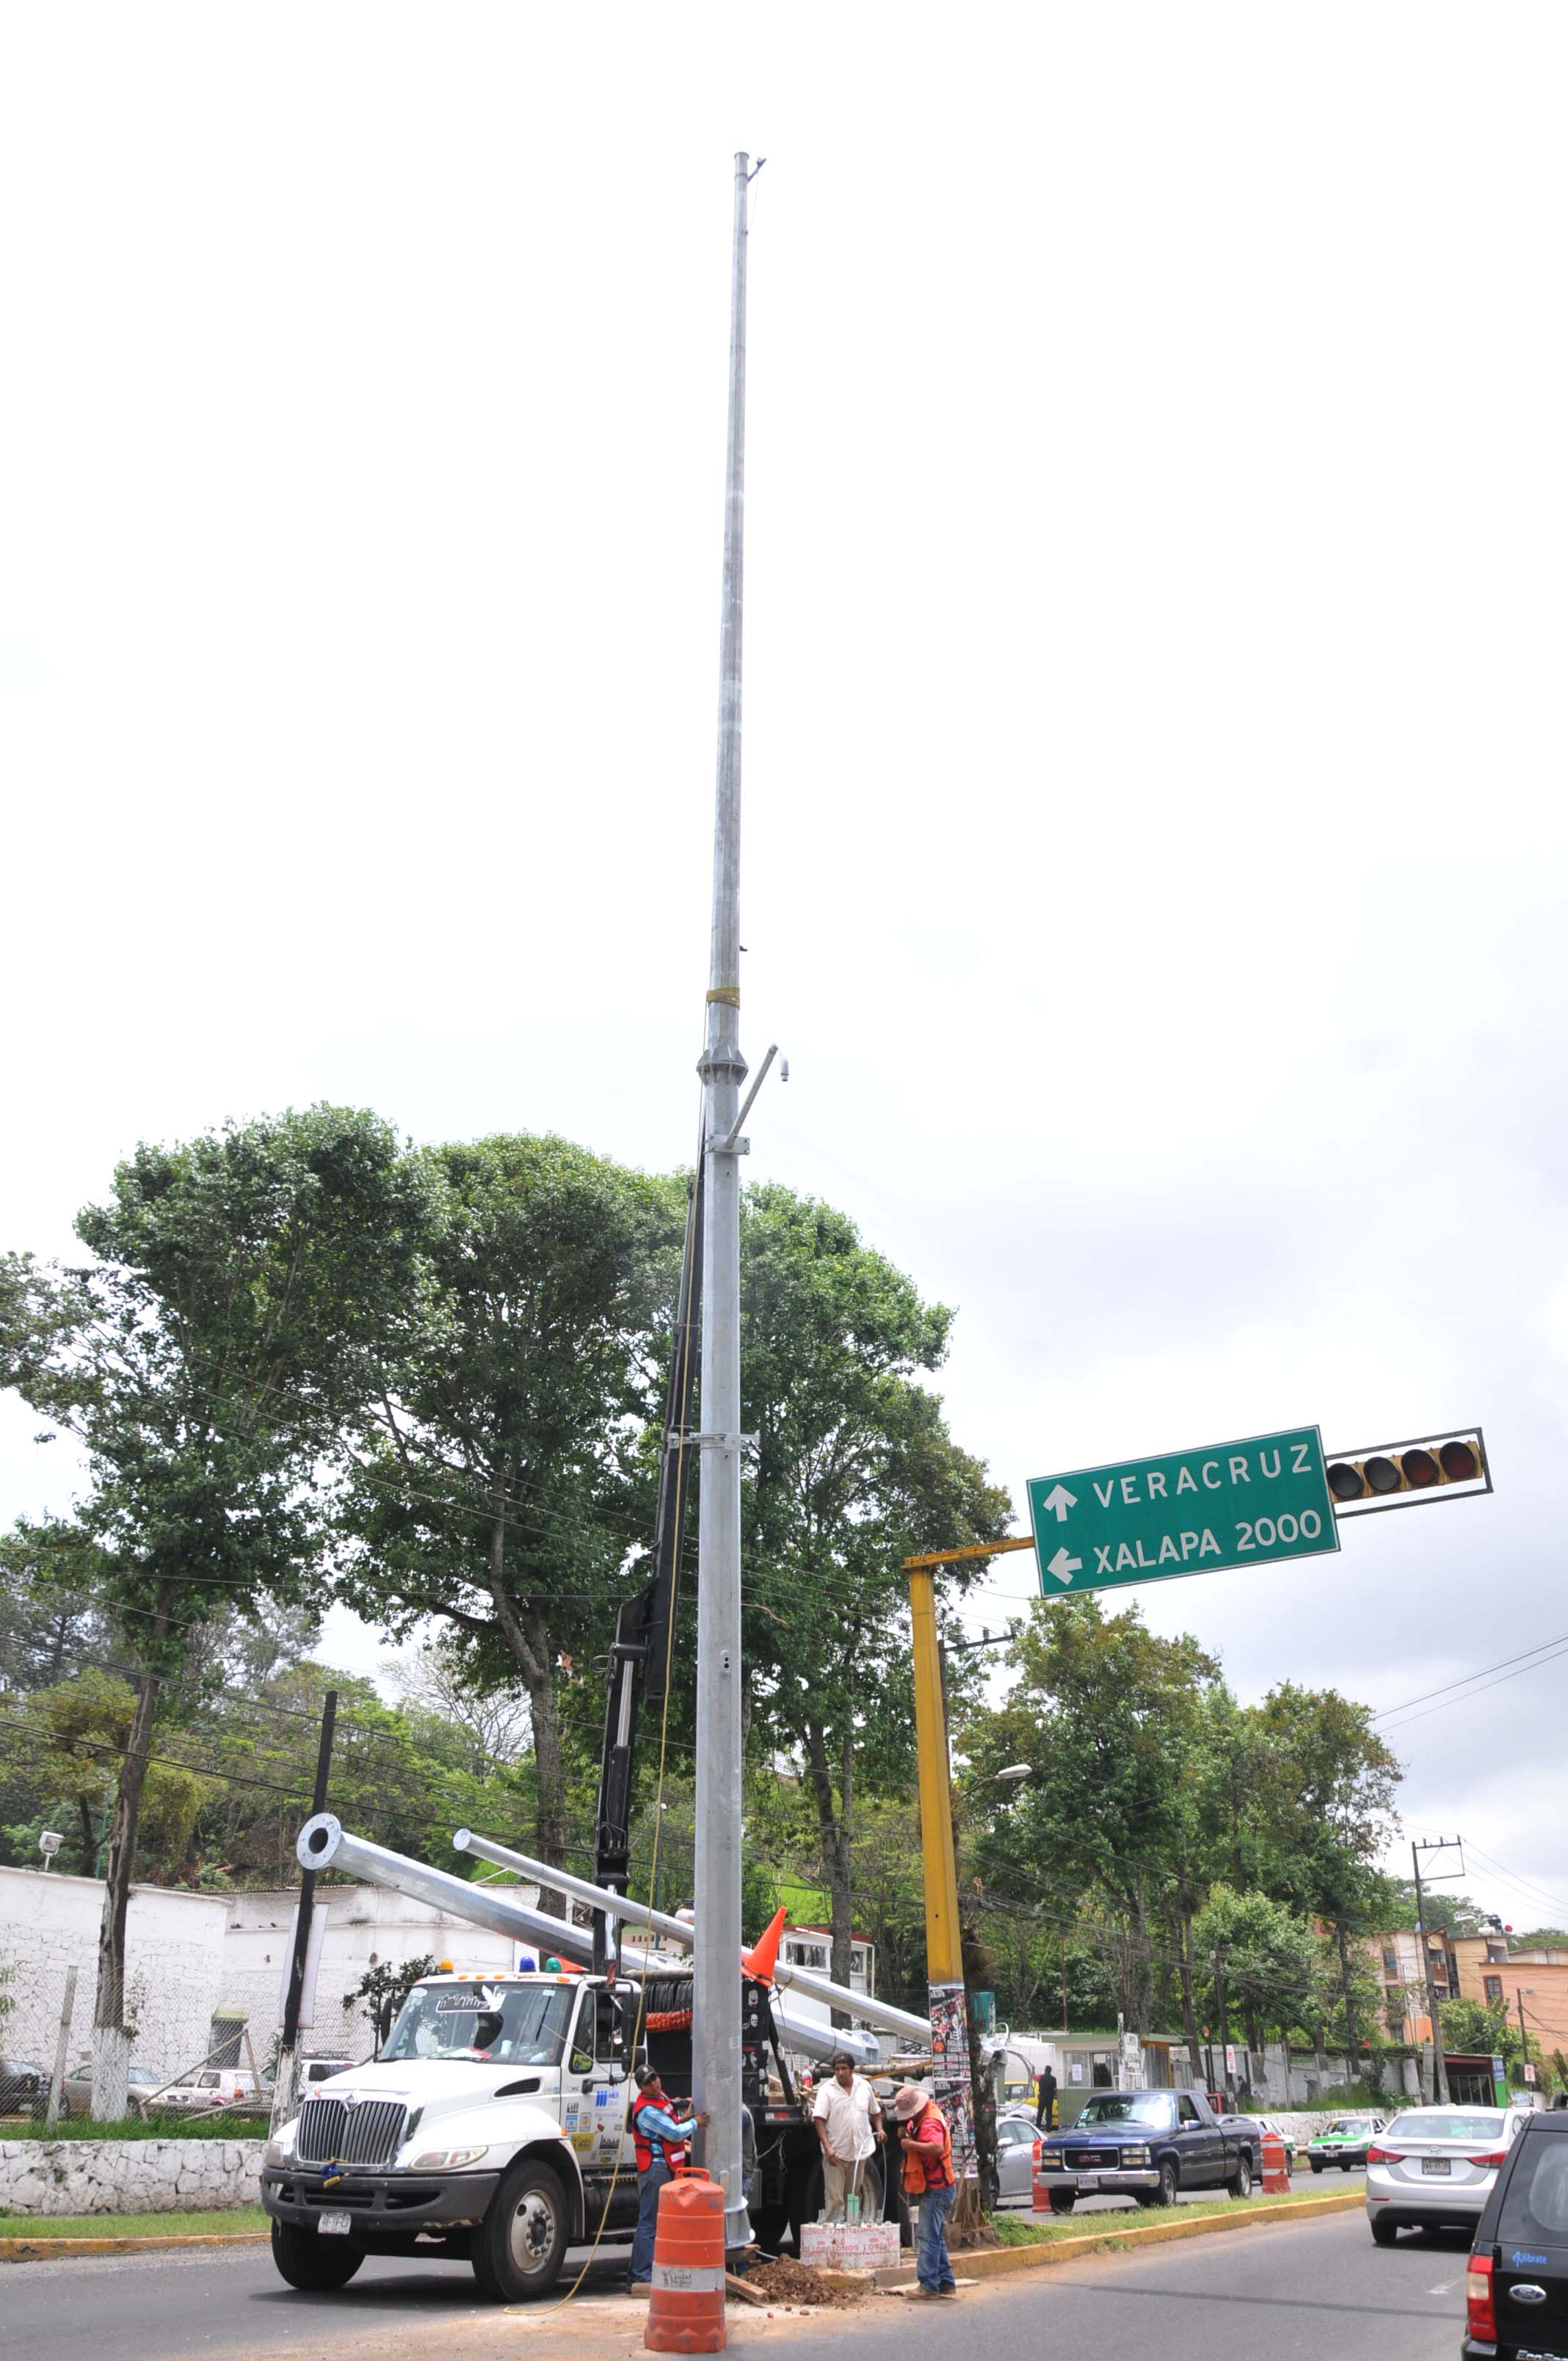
x=1394 y=1728
x=1385 y=1712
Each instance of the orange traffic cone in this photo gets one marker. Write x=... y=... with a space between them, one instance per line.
x=685 y=2305
x=1275 y=2170
x=763 y=1957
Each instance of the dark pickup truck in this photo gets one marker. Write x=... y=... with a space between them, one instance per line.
x=1146 y=2145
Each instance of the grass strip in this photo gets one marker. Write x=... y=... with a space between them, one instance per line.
x=163 y=2125
x=1024 y=2230
x=1119 y=2233
x=232 y=2219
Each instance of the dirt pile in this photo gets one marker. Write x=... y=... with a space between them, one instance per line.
x=784 y=2280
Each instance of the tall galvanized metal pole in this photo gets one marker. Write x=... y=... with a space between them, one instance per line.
x=716 y=2032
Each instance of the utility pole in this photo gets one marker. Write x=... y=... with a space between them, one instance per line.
x=716 y=1997
x=1220 y=1995
x=283 y=2078
x=1439 y=2071
x=1524 y=2037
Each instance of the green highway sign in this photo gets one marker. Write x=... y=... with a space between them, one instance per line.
x=1191 y=1512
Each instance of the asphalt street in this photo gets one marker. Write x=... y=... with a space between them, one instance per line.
x=1294 y=2291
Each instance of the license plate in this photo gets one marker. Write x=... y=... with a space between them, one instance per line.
x=1436 y=2164
x=335 y=2225
x=1089 y=2181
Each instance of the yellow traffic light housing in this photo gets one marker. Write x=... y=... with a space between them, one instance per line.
x=1400 y=1475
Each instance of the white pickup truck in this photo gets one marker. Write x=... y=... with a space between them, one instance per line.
x=492 y=2130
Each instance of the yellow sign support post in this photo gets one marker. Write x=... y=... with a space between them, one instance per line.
x=944 y=1935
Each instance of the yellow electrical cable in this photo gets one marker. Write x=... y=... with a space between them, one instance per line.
x=658 y=1812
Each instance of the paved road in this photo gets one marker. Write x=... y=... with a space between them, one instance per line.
x=1294 y=2292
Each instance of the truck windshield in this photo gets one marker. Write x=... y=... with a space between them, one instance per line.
x=1128 y=2107
x=514 y=2025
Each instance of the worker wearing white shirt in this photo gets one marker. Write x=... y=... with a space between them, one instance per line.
x=849 y=2125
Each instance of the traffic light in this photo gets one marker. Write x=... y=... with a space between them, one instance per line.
x=1428 y=1464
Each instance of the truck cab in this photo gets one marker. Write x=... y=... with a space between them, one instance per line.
x=492 y=2129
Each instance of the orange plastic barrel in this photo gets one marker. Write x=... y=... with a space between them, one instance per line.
x=1275 y=2170
x=685 y=2304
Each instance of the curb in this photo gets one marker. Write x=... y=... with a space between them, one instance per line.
x=1000 y=2262
x=49 y=2250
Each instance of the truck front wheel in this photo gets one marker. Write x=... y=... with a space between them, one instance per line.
x=1063 y=2199
x=1240 y=2183
x=520 y=2245
x=311 y=2262
x=1165 y=2193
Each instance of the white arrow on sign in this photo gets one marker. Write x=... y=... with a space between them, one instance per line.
x=1065 y=1567
x=1059 y=1500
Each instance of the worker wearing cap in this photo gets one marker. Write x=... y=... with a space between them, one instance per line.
x=849 y=2124
x=930 y=2177
x=659 y=2137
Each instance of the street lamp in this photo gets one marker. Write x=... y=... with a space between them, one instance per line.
x=1013 y=1774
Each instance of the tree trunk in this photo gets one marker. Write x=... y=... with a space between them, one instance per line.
x=1352 y=2038
x=1189 y=2006
x=549 y=1785
x=833 y=1840
x=1139 y=1978
x=111 y=2042
x=527 y=1637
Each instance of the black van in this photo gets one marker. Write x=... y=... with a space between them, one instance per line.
x=1516 y=2289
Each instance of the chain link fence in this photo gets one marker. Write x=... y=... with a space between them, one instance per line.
x=194 y=2053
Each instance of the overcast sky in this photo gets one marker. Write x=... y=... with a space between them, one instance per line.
x=1155 y=822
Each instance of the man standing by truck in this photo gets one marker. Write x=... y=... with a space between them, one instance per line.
x=659 y=2137
x=930 y=2180
x=849 y=2124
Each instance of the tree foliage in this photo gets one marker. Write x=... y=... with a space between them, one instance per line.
x=855 y=1471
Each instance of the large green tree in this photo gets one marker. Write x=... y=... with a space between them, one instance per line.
x=854 y=1471
x=243 y=1288
x=1108 y=1716
x=498 y=1481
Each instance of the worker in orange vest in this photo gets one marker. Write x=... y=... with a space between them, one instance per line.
x=928 y=2176
x=659 y=2137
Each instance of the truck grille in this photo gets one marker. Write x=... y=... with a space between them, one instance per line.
x=331 y=2133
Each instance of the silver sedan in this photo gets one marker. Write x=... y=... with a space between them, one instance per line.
x=1434 y=2165
x=1017 y=2144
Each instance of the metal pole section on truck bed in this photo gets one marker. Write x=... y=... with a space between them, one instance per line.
x=681 y=1931
x=324 y=1843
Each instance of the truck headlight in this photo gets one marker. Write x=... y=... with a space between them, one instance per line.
x=1050 y=2160
x=448 y=2159
x=1134 y=2156
x=281 y=2150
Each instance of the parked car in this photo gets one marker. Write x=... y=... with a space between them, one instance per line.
x=1017 y=2146
x=1146 y=2145
x=1437 y=2165
x=217 y=2086
x=1343 y=2142
x=76 y=2097
x=322 y=2070
x=24 y=2087
x=1291 y=2140
x=1516 y=2289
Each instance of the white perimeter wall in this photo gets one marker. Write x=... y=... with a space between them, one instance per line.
x=174 y=1950
x=188 y=1955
